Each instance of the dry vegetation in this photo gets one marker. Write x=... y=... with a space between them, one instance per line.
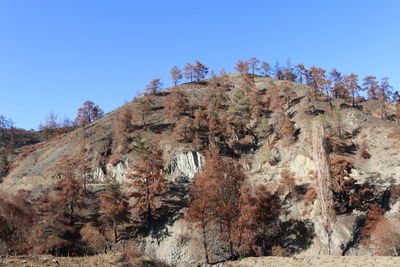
x=227 y=122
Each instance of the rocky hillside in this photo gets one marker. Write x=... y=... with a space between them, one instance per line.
x=265 y=126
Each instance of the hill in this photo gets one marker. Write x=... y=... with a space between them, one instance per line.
x=267 y=130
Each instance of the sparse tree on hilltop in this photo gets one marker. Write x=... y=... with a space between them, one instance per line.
x=176 y=75
x=199 y=70
x=371 y=85
x=154 y=86
x=265 y=69
x=253 y=64
x=351 y=87
x=188 y=72
x=88 y=113
x=242 y=66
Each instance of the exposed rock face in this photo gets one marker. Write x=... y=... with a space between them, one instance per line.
x=117 y=173
x=185 y=165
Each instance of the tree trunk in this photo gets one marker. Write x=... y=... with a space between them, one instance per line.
x=203 y=226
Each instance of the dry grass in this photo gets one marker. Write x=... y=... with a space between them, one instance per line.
x=108 y=259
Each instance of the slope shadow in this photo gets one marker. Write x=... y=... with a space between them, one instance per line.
x=174 y=200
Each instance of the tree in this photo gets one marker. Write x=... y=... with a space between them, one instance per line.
x=371 y=85
x=183 y=131
x=188 y=71
x=88 y=113
x=384 y=92
x=199 y=211
x=337 y=89
x=301 y=72
x=253 y=64
x=351 y=87
x=149 y=184
x=122 y=126
x=265 y=69
x=142 y=110
x=259 y=210
x=16 y=219
x=176 y=75
x=176 y=104
x=114 y=206
x=385 y=237
x=153 y=86
x=199 y=70
x=318 y=81
x=242 y=66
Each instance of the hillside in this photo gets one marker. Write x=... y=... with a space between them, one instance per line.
x=264 y=127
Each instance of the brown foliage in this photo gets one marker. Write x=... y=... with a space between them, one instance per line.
x=176 y=104
x=153 y=86
x=258 y=211
x=242 y=66
x=385 y=237
x=122 y=127
x=16 y=219
x=374 y=216
x=176 y=75
x=114 y=207
x=148 y=182
x=183 y=131
x=88 y=113
x=93 y=238
x=142 y=110
x=288 y=131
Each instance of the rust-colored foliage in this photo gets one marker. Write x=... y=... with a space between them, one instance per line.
x=122 y=126
x=215 y=198
x=253 y=64
x=258 y=211
x=88 y=113
x=340 y=170
x=199 y=70
x=288 y=131
x=142 y=110
x=114 y=206
x=16 y=219
x=154 y=86
x=94 y=239
x=371 y=85
x=374 y=216
x=176 y=75
x=176 y=105
x=183 y=131
x=148 y=183
x=242 y=66
x=385 y=237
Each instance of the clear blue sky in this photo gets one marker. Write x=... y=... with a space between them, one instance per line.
x=55 y=54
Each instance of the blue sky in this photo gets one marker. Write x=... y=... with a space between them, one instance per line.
x=54 y=55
